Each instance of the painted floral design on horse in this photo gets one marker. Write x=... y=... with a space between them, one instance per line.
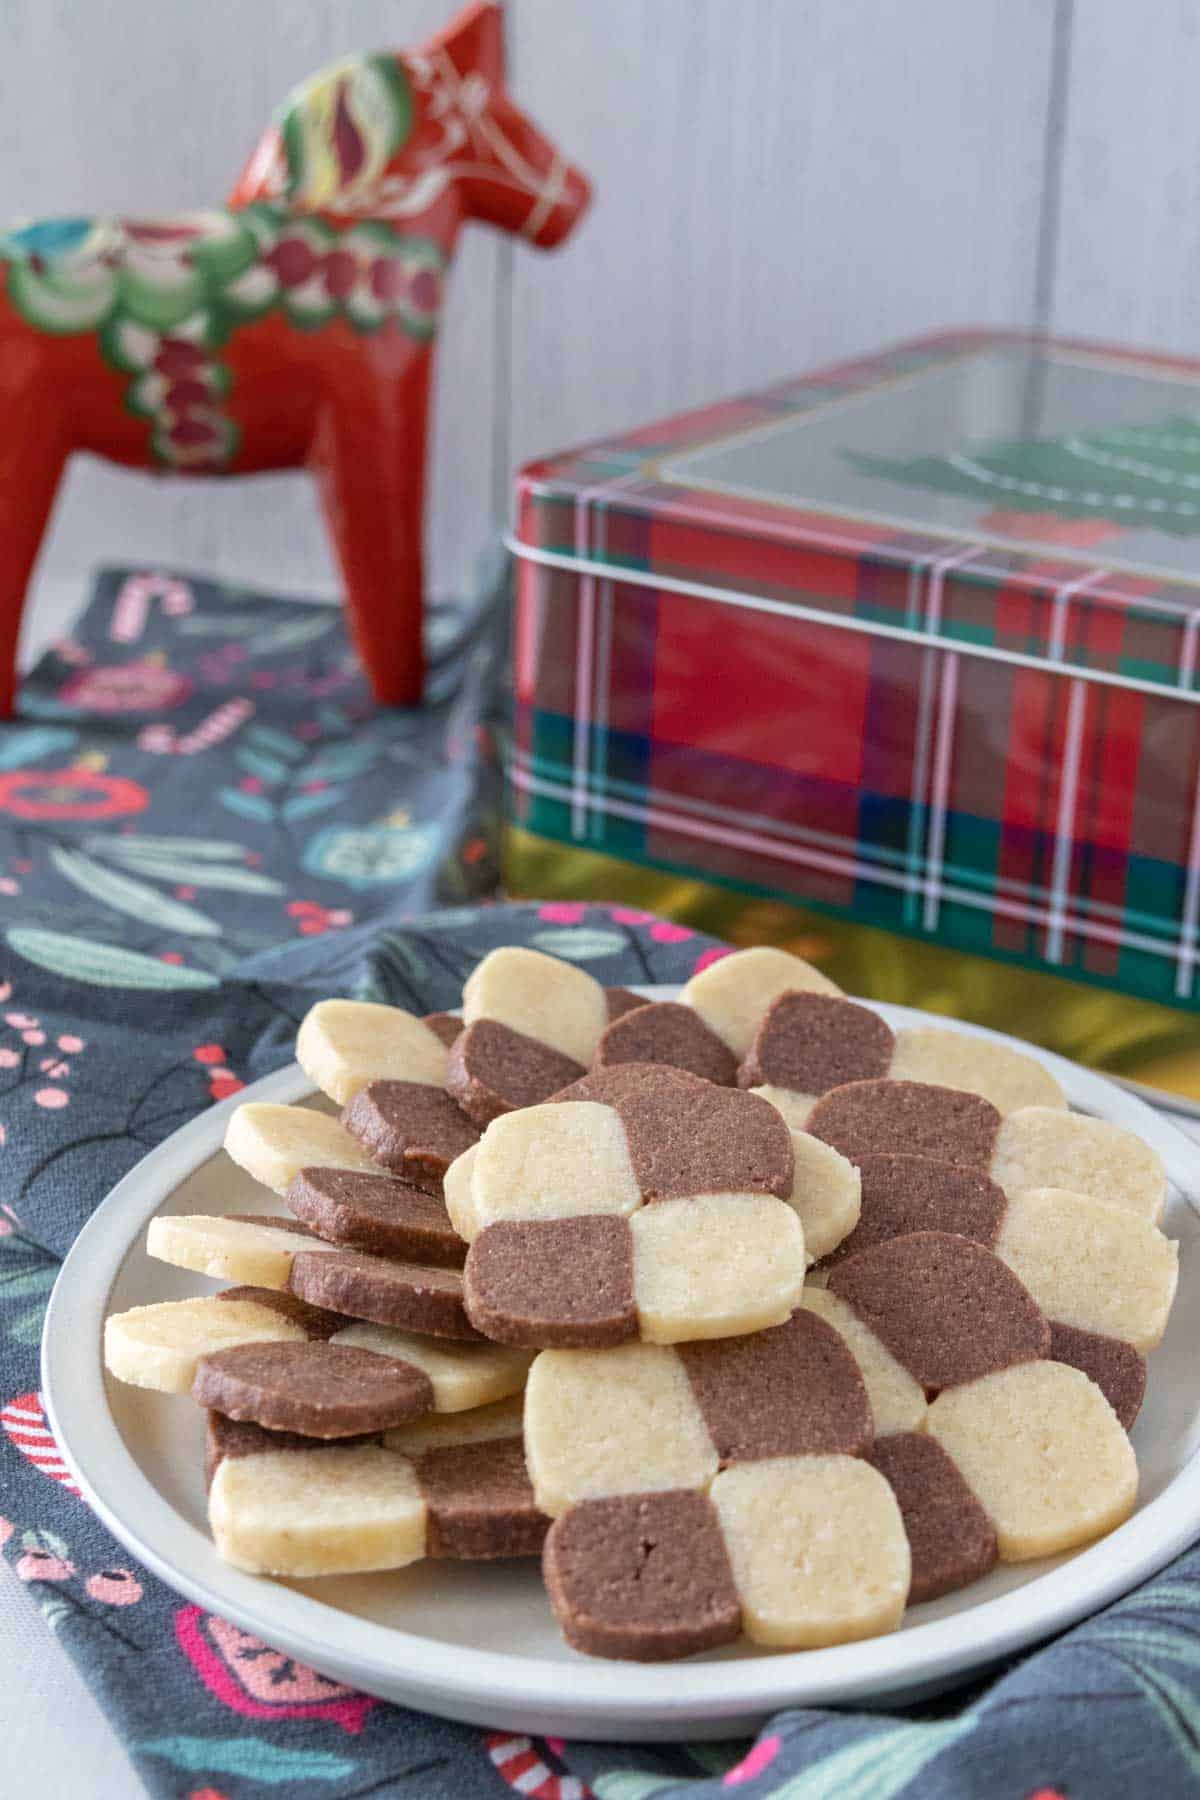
x=292 y=328
x=165 y=296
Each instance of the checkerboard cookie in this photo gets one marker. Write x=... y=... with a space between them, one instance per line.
x=317 y=1389
x=410 y=1129
x=1103 y=1277
x=241 y=1247
x=344 y=1044
x=670 y=1033
x=160 y=1346
x=733 y=993
x=809 y=1043
x=710 y=1490
x=1102 y=1273
x=634 y=1190
x=332 y=1182
x=376 y=1213
x=951 y=1537
x=661 y=1215
x=300 y=1508
x=531 y=1025
x=945 y=1307
x=283 y=1254
x=795 y=1552
x=1036 y=1146
x=387 y=1069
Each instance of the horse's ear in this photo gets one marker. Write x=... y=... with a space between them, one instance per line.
x=474 y=40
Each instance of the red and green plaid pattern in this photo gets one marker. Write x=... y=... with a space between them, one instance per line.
x=990 y=747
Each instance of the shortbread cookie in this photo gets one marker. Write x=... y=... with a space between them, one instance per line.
x=951 y=1537
x=945 y=1307
x=237 y=1247
x=377 y=1213
x=334 y=1511
x=410 y=1296
x=1089 y=1264
x=411 y=1129
x=642 y=1576
x=1117 y=1369
x=670 y=1033
x=1044 y=1454
x=902 y=1194
x=275 y=1143
x=551 y=1162
x=943 y=1057
x=644 y=1417
x=159 y=1346
x=867 y=1117
x=808 y=1043
x=603 y=1422
x=493 y=1069
x=465 y=1377
x=286 y=1509
x=817 y=1547
x=318 y=1390
x=499 y=1419
x=732 y=994
x=896 y=1398
x=620 y=1000
x=556 y=1003
x=827 y=1192
x=714 y=1266
x=1041 y=1148
x=344 y=1044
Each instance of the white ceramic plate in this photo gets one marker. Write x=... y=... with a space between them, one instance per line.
x=477 y=1642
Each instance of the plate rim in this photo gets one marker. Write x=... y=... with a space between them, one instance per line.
x=490 y=1687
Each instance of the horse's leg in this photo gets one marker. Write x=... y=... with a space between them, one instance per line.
x=31 y=462
x=368 y=456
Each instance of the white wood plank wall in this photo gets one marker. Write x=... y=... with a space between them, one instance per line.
x=779 y=182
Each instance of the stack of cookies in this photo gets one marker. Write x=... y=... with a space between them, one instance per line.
x=745 y=1313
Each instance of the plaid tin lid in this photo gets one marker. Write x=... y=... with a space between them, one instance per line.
x=993 y=544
